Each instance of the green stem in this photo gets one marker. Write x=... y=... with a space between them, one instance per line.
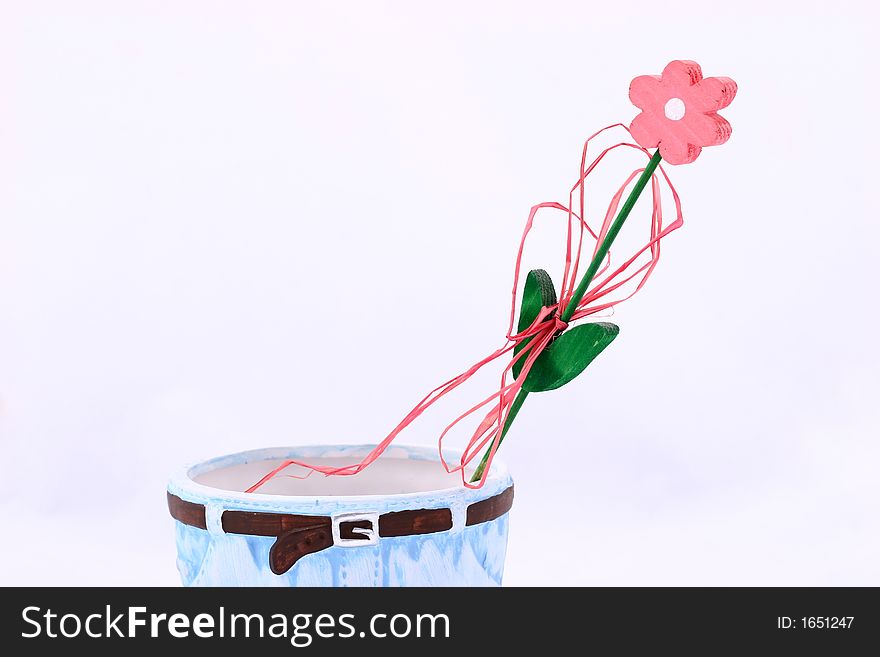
x=582 y=287
x=514 y=409
x=628 y=205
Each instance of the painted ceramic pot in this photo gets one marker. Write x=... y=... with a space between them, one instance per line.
x=401 y=522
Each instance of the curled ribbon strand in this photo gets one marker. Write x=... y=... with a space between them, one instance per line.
x=606 y=282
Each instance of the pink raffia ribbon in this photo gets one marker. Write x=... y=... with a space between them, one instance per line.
x=599 y=297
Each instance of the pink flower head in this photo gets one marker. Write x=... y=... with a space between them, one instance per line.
x=679 y=111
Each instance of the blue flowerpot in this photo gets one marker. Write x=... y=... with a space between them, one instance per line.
x=401 y=522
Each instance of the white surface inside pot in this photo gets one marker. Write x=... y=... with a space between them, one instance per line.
x=387 y=476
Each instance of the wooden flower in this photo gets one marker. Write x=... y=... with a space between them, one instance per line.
x=679 y=111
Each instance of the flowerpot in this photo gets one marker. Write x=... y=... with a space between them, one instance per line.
x=403 y=521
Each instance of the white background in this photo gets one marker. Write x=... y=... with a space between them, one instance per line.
x=231 y=225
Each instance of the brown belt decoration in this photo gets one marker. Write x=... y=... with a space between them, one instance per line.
x=297 y=536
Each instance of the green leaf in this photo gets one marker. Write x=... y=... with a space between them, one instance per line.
x=568 y=355
x=538 y=293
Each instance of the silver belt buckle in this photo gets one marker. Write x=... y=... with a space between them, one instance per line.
x=370 y=534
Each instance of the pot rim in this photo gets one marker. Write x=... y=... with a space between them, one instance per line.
x=183 y=481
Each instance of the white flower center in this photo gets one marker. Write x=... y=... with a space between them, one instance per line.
x=674 y=109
